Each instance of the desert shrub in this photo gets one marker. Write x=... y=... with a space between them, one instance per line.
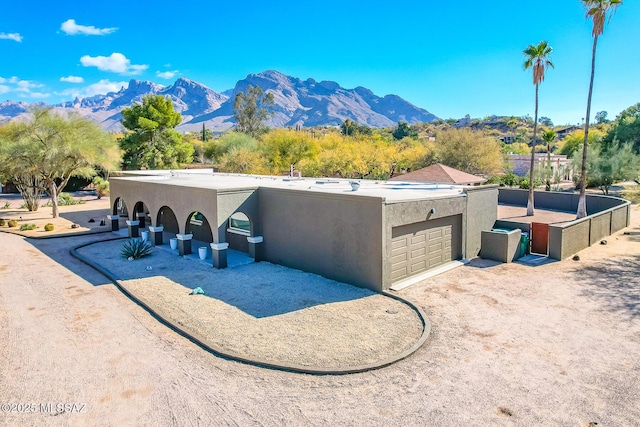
x=3 y=222
x=66 y=199
x=102 y=186
x=12 y=223
x=136 y=248
x=48 y=227
x=26 y=227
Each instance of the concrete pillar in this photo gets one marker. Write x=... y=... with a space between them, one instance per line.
x=184 y=243
x=115 y=222
x=134 y=228
x=142 y=216
x=155 y=235
x=255 y=248
x=219 y=254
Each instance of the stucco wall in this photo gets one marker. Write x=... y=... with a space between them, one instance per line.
x=556 y=200
x=482 y=213
x=336 y=236
x=183 y=201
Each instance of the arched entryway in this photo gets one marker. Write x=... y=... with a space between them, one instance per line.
x=168 y=220
x=120 y=208
x=198 y=225
x=141 y=213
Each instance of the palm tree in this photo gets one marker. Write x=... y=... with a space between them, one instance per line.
x=599 y=11
x=536 y=56
x=549 y=136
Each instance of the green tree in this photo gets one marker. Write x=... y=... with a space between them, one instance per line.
x=548 y=136
x=469 y=151
x=573 y=142
x=152 y=142
x=284 y=148
x=230 y=141
x=404 y=130
x=626 y=128
x=601 y=117
x=606 y=167
x=536 y=57
x=251 y=109
x=351 y=128
x=545 y=121
x=52 y=148
x=599 y=11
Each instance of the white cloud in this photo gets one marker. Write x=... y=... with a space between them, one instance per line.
x=101 y=88
x=116 y=62
x=72 y=79
x=36 y=95
x=104 y=87
x=22 y=87
x=26 y=86
x=11 y=36
x=71 y=28
x=13 y=79
x=167 y=74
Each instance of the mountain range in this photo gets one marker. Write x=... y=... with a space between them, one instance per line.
x=296 y=102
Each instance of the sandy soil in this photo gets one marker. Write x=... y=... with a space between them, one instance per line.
x=81 y=214
x=557 y=344
x=267 y=312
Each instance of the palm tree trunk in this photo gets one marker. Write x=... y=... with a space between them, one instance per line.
x=533 y=158
x=582 y=201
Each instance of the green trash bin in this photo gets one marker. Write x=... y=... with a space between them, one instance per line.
x=524 y=244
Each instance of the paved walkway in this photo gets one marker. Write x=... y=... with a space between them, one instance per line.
x=547 y=216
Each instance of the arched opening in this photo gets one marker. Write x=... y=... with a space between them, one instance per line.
x=120 y=208
x=168 y=220
x=238 y=229
x=198 y=225
x=141 y=213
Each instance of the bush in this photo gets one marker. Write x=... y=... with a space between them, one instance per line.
x=12 y=223
x=102 y=187
x=26 y=227
x=6 y=205
x=3 y=222
x=66 y=199
x=48 y=227
x=136 y=248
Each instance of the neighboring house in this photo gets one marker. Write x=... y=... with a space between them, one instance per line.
x=562 y=167
x=439 y=173
x=372 y=234
x=561 y=133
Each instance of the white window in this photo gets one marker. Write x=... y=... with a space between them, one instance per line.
x=239 y=223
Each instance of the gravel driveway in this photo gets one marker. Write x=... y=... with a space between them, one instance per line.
x=557 y=344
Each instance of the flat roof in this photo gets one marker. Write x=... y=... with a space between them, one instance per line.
x=390 y=191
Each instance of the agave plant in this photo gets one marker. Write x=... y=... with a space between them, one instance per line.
x=136 y=248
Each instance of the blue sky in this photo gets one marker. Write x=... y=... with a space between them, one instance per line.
x=451 y=58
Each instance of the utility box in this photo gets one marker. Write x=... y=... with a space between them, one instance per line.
x=501 y=245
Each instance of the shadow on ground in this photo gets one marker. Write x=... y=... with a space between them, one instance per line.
x=258 y=289
x=616 y=282
x=58 y=250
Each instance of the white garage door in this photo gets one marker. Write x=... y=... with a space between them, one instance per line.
x=416 y=248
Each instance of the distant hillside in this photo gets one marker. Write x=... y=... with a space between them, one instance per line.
x=297 y=102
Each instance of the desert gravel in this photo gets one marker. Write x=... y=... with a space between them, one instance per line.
x=553 y=345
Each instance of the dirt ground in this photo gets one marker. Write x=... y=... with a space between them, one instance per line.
x=555 y=344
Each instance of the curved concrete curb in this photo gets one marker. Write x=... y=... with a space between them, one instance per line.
x=202 y=342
